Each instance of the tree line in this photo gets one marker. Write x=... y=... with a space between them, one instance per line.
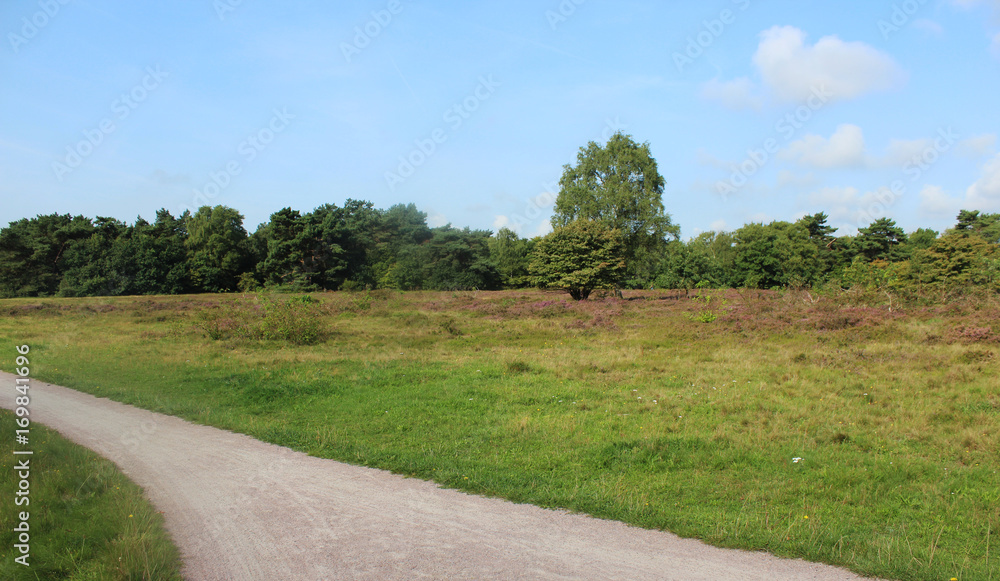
x=358 y=246
x=610 y=231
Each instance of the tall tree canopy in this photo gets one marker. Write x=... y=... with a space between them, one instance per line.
x=882 y=240
x=618 y=184
x=217 y=248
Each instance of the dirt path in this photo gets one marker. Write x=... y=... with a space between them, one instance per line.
x=241 y=509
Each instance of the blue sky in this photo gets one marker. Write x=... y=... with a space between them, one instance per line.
x=755 y=111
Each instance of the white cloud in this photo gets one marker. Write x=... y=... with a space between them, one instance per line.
x=847 y=205
x=936 y=202
x=793 y=70
x=973 y=3
x=978 y=146
x=434 y=219
x=845 y=148
x=502 y=222
x=832 y=197
x=902 y=151
x=985 y=193
x=718 y=226
x=544 y=227
x=759 y=217
x=737 y=94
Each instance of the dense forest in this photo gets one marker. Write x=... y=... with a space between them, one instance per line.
x=358 y=246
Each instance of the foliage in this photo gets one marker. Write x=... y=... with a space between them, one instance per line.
x=359 y=247
x=958 y=259
x=35 y=253
x=579 y=257
x=618 y=184
x=882 y=240
x=261 y=317
x=709 y=307
x=511 y=254
x=216 y=245
x=987 y=226
x=778 y=254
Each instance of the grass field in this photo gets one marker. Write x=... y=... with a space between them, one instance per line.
x=785 y=422
x=88 y=522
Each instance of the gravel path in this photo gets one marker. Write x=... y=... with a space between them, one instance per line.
x=240 y=509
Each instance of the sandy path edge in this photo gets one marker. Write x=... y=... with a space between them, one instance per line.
x=240 y=509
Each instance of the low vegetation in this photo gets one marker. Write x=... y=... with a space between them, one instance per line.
x=88 y=521
x=830 y=426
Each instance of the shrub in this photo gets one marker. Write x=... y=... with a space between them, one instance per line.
x=261 y=317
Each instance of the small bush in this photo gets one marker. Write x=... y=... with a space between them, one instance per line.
x=518 y=367
x=449 y=326
x=709 y=309
x=973 y=334
x=261 y=317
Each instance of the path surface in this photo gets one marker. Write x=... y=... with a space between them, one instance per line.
x=240 y=509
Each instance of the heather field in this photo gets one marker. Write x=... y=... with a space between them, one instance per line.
x=829 y=427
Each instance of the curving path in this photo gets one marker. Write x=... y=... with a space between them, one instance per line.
x=240 y=509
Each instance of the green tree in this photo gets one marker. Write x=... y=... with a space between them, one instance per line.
x=403 y=230
x=921 y=238
x=216 y=247
x=349 y=244
x=36 y=252
x=160 y=255
x=291 y=257
x=959 y=258
x=579 y=257
x=985 y=225
x=699 y=263
x=619 y=184
x=821 y=235
x=774 y=255
x=511 y=254
x=882 y=240
x=105 y=264
x=456 y=259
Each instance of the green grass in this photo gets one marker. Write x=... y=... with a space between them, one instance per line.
x=635 y=410
x=88 y=522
